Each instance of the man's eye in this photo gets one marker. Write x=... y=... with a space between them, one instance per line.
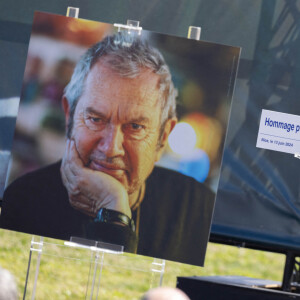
x=134 y=129
x=94 y=123
x=95 y=120
x=136 y=126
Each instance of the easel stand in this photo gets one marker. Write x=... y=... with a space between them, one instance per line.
x=86 y=269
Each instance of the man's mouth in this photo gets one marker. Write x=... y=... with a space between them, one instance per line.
x=110 y=169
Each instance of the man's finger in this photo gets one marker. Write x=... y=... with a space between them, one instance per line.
x=70 y=180
x=71 y=158
x=74 y=158
x=72 y=166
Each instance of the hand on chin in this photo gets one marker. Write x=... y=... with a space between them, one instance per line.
x=94 y=187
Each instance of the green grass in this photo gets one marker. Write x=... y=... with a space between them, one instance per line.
x=64 y=272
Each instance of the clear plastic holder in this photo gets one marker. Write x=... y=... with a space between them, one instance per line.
x=92 y=270
x=297 y=155
x=72 y=12
x=132 y=27
x=194 y=33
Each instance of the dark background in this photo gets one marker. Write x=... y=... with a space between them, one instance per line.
x=259 y=192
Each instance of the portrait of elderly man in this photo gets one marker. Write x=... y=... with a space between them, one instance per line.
x=120 y=107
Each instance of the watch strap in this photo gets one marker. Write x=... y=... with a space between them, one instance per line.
x=112 y=216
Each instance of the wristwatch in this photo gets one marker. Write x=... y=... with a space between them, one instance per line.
x=105 y=215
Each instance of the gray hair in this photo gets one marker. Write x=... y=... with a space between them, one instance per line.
x=127 y=55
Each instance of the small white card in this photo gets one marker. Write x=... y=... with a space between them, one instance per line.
x=279 y=131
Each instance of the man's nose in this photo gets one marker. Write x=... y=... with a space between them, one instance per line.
x=111 y=142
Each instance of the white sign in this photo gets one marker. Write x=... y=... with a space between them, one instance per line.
x=279 y=131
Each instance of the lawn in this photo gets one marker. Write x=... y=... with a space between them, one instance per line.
x=68 y=273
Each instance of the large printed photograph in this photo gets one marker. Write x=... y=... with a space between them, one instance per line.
x=119 y=137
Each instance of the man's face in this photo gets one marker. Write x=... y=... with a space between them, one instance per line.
x=117 y=123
